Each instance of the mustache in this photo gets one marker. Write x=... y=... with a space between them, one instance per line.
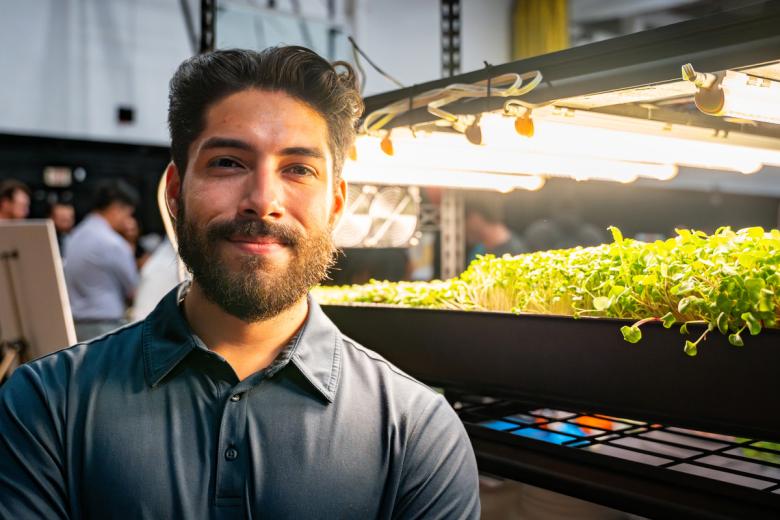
x=284 y=234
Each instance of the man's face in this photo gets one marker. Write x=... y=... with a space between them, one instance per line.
x=63 y=217
x=257 y=205
x=17 y=207
x=475 y=224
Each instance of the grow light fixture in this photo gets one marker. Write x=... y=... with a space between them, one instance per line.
x=734 y=94
x=586 y=134
x=419 y=176
x=449 y=151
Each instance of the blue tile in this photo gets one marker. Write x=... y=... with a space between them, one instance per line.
x=541 y=435
x=501 y=426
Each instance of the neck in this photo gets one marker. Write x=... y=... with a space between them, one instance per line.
x=247 y=347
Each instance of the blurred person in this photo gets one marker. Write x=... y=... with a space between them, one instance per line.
x=64 y=218
x=158 y=275
x=131 y=231
x=486 y=232
x=100 y=269
x=237 y=397
x=14 y=200
x=564 y=228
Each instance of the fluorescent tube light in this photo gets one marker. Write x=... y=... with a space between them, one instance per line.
x=464 y=179
x=451 y=151
x=578 y=133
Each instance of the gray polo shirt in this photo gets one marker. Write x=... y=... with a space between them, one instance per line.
x=100 y=271
x=146 y=422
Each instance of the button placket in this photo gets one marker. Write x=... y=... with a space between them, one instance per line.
x=231 y=467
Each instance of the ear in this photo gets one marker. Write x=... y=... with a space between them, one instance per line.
x=339 y=201
x=172 y=189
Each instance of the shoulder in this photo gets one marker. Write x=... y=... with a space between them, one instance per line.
x=58 y=374
x=363 y=360
x=396 y=393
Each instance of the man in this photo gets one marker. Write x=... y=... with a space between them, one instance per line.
x=14 y=200
x=237 y=397
x=100 y=269
x=486 y=231
x=63 y=216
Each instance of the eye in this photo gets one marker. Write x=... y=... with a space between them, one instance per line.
x=300 y=170
x=224 y=162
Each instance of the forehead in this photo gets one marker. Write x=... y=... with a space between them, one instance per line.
x=268 y=117
x=20 y=195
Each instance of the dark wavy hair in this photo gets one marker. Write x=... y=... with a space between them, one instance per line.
x=203 y=80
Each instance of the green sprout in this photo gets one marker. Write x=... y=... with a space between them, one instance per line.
x=728 y=281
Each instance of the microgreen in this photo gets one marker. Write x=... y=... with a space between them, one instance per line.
x=728 y=282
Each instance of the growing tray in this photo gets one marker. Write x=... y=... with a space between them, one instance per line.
x=582 y=364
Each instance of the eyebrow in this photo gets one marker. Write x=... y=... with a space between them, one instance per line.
x=227 y=142
x=314 y=153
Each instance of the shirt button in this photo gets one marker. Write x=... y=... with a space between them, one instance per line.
x=231 y=454
x=235 y=398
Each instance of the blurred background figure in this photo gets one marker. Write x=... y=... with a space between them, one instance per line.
x=63 y=215
x=486 y=232
x=14 y=200
x=131 y=231
x=159 y=275
x=565 y=227
x=100 y=268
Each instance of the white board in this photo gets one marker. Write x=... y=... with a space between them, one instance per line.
x=33 y=278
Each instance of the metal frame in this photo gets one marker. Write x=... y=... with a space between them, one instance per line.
x=639 y=476
x=450 y=37
x=453 y=240
x=624 y=486
x=208 y=25
x=731 y=39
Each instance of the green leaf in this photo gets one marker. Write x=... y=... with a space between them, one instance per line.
x=685 y=303
x=668 y=320
x=754 y=326
x=723 y=322
x=684 y=329
x=736 y=340
x=617 y=236
x=754 y=232
x=601 y=303
x=690 y=348
x=747 y=260
x=632 y=334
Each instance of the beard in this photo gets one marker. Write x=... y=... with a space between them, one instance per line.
x=255 y=289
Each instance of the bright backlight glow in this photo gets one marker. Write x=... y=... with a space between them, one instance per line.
x=618 y=138
x=451 y=151
x=409 y=176
x=749 y=97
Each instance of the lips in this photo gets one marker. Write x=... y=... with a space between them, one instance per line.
x=257 y=245
x=259 y=240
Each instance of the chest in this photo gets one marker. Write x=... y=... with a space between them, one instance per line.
x=204 y=450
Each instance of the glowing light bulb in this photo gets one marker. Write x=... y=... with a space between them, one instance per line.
x=734 y=94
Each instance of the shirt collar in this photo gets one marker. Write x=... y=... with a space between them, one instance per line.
x=167 y=339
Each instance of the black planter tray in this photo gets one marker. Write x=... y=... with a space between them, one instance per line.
x=582 y=364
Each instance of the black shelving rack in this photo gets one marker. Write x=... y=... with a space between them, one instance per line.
x=575 y=409
x=640 y=467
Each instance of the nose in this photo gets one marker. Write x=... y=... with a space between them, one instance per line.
x=263 y=195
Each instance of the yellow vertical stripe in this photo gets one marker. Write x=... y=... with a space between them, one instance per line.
x=539 y=27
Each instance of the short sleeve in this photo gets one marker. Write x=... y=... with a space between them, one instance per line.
x=439 y=476
x=32 y=483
